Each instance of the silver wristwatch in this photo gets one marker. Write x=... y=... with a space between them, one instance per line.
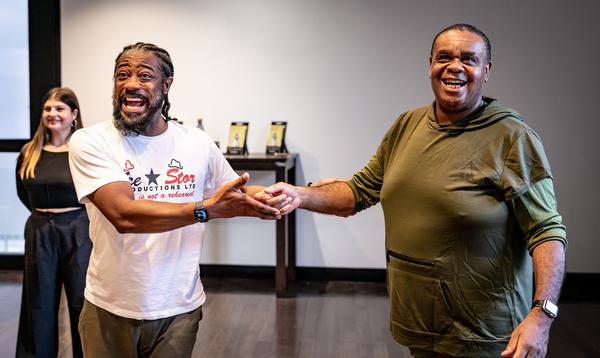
x=547 y=306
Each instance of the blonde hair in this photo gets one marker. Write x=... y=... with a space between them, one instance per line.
x=31 y=151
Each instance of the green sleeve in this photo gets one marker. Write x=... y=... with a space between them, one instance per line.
x=366 y=184
x=525 y=163
x=536 y=213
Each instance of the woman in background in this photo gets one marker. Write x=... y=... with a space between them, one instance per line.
x=57 y=243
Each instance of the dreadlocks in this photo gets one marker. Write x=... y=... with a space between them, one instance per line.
x=166 y=67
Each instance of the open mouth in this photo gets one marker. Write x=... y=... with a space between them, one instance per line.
x=133 y=104
x=454 y=83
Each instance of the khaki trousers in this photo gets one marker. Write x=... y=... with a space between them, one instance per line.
x=105 y=335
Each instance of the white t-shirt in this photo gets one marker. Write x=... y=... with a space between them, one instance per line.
x=146 y=276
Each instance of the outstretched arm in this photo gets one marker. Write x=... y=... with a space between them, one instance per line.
x=117 y=204
x=329 y=196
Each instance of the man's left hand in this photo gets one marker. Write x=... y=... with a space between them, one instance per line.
x=282 y=196
x=530 y=338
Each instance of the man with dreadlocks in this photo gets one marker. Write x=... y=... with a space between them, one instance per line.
x=148 y=184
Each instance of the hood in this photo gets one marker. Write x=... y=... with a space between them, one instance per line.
x=489 y=112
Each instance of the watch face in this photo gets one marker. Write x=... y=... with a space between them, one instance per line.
x=201 y=214
x=551 y=308
x=548 y=307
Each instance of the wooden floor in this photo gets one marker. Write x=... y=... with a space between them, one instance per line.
x=242 y=318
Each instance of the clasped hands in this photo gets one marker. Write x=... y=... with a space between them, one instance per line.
x=268 y=203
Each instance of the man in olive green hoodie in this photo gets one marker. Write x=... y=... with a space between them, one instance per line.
x=470 y=212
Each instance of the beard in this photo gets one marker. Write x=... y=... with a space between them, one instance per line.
x=135 y=123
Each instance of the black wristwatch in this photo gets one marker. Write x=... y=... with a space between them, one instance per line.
x=200 y=212
x=547 y=306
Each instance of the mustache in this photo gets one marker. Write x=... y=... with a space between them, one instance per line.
x=132 y=94
x=134 y=123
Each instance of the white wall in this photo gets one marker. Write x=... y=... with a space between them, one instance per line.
x=339 y=72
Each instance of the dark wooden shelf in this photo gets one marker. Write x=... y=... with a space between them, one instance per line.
x=284 y=166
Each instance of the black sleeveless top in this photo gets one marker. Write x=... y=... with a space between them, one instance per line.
x=52 y=187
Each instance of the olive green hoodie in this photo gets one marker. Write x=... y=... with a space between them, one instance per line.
x=459 y=273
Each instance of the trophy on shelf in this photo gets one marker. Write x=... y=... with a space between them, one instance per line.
x=238 y=132
x=276 y=138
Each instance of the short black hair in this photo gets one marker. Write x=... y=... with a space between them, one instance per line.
x=469 y=28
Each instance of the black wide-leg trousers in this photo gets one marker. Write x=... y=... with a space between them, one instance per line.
x=57 y=252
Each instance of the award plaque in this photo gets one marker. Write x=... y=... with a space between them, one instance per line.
x=238 y=132
x=276 y=138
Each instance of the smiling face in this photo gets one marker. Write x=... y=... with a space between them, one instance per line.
x=58 y=117
x=139 y=92
x=458 y=69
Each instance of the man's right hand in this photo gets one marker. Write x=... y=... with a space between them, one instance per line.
x=328 y=196
x=282 y=196
x=230 y=200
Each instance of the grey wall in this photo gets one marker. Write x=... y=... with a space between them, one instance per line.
x=339 y=72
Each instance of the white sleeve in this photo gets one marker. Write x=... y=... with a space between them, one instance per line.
x=219 y=171
x=91 y=165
